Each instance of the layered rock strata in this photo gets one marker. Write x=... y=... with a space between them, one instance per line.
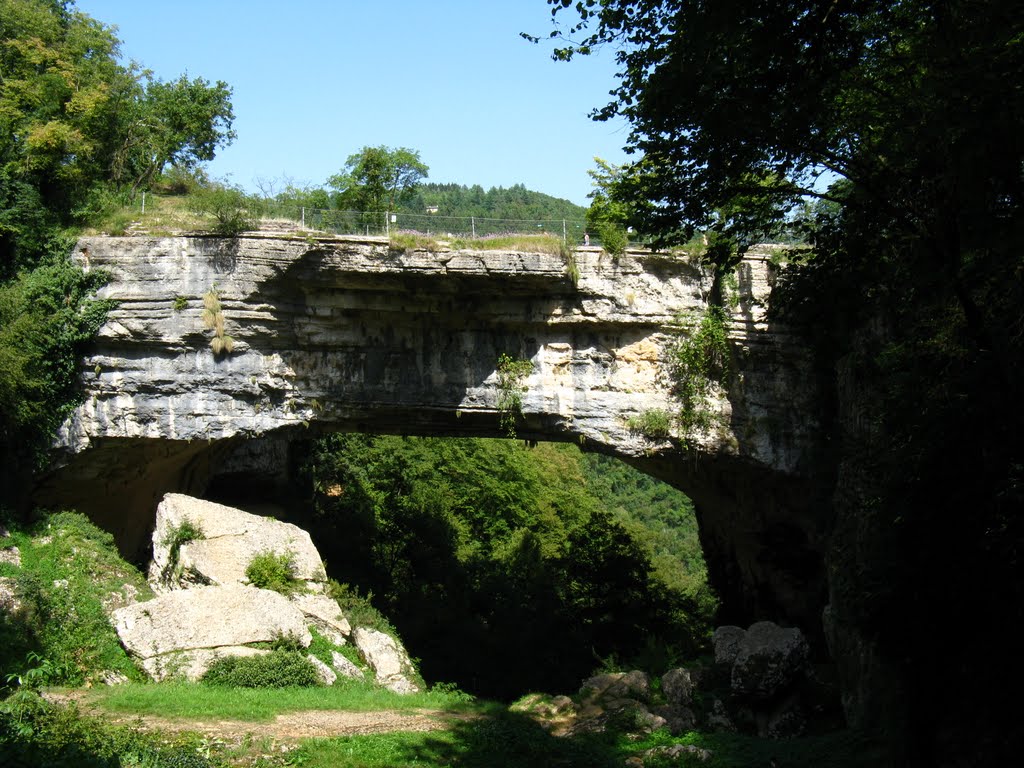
x=342 y=333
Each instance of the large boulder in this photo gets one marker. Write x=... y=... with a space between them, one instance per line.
x=726 y=640
x=617 y=685
x=224 y=541
x=769 y=660
x=181 y=632
x=677 y=685
x=387 y=658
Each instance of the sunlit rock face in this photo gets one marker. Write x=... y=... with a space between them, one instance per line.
x=341 y=333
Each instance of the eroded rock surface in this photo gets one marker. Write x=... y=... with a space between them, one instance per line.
x=227 y=541
x=388 y=660
x=345 y=333
x=208 y=620
x=207 y=610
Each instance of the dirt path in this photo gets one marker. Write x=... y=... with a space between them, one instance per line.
x=290 y=726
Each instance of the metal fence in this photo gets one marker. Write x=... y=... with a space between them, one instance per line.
x=381 y=223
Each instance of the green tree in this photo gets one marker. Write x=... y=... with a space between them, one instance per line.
x=377 y=179
x=482 y=549
x=182 y=123
x=904 y=121
x=74 y=122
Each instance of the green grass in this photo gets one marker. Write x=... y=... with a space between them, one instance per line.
x=191 y=701
x=545 y=243
x=843 y=749
x=69 y=568
x=503 y=740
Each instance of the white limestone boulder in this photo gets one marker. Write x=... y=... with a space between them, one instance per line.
x=182 y=631
x=389 y=661
x=229 y=539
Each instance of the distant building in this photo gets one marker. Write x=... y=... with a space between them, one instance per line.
x=431 y=209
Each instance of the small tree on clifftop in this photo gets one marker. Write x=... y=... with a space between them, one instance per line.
x=377 y=178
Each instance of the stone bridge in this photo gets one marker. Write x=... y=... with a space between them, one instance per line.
x=349 y=334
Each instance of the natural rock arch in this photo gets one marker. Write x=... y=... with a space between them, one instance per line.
x=342 y=333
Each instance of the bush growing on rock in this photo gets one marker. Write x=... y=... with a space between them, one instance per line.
x=277 y=669
x=275 y=571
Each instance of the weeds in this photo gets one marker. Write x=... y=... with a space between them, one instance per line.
x=179 y=536
x=655 y=424
x=511 y=375
x=70 y=574
x=274 y=571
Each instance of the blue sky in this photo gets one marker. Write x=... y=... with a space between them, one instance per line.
x=316 y=81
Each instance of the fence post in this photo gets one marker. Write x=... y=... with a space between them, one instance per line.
x=143 y=202
x=303 y=224
x=565 y=237
x=387 y=223
x=472 y=225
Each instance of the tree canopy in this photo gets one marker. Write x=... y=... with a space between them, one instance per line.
x=75 y=122
x=892 y=135
x=730 y=102
x=377 y=178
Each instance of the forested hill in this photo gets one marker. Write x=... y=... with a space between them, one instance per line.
x=515 y=202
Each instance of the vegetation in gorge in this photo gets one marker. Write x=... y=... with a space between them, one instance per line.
x=482 y=549
x=889 y=135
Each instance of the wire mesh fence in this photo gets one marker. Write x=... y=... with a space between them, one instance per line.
x=387 y=223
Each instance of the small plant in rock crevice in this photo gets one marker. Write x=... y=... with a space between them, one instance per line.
x=511 y=375
x=274 y=571
x=213 y=319
x=655 y=424
x=698 y=363
x=177 y=537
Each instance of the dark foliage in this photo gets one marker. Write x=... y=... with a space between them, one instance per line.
x=502 y=568
x=743 y=113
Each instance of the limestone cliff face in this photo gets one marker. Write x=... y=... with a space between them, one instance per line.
x=340 y=333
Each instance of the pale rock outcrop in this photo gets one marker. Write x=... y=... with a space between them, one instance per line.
x=10 y=555
x=182 y=631
x=9 y=602
x=207 y=611
x=327 y=675
x=345 y=668
x=387 y=658
x=230 y=538
x=324 y=613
